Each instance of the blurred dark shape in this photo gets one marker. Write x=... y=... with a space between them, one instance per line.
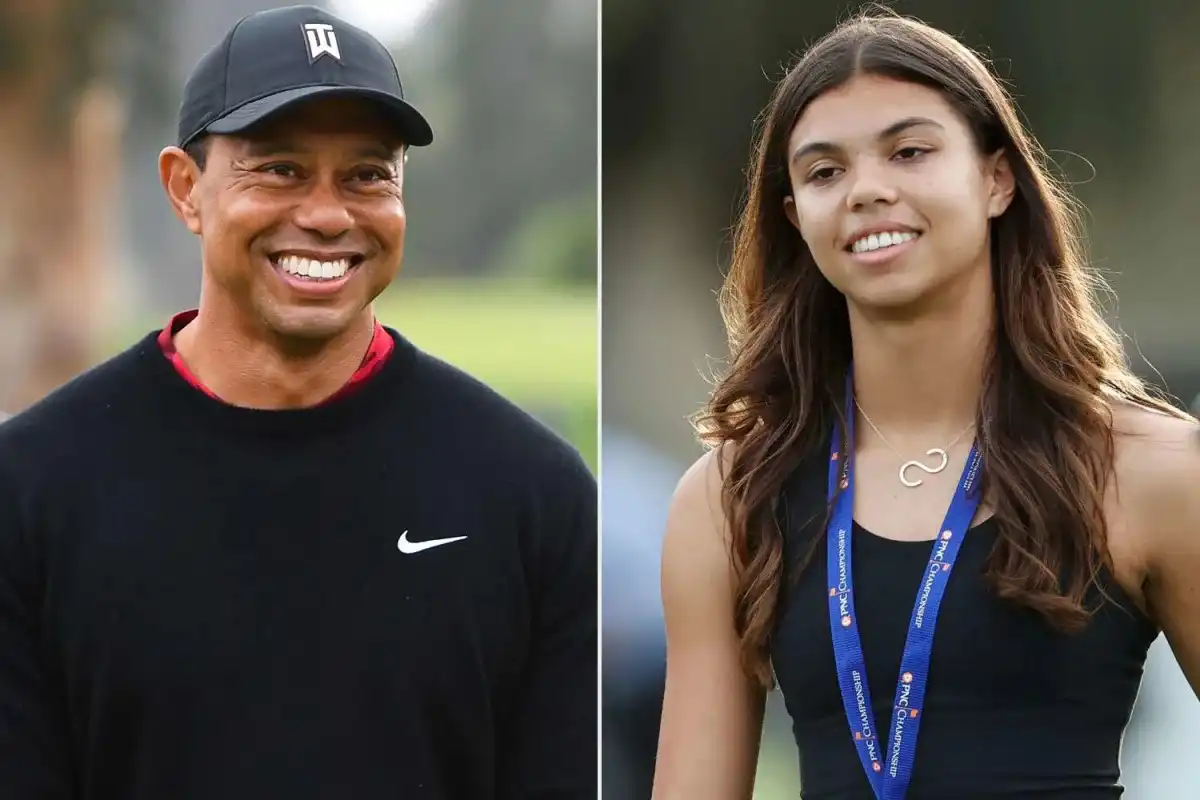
x=637 y=488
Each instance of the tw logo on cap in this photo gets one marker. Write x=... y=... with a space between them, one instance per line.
x=321 y=41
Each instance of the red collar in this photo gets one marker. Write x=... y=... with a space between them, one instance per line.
x=377 y=354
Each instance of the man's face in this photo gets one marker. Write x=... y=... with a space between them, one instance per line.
x=302 y=220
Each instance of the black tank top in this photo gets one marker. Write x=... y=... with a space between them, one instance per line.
x=1014 y=708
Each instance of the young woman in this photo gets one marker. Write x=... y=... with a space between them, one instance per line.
x=918 y=351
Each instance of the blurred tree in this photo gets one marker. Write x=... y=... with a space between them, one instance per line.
x=521 y=79
x=555 y=245
x=59 y=164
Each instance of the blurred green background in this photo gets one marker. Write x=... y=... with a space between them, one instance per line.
x=533 y=343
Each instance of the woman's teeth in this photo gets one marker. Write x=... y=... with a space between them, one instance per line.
x=878 y=241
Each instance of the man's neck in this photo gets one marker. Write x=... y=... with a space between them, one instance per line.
x=250 y=368
x=922 y=377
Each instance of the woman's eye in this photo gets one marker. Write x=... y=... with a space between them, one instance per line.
x=822 y=174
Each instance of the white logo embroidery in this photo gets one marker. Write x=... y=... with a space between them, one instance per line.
x=321 y=41
x=408 y=548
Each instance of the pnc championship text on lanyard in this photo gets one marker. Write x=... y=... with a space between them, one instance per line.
x=890 y=774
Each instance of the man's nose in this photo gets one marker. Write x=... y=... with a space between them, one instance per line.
x=323 y=212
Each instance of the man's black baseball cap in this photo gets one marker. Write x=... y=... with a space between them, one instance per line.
x=273 y=59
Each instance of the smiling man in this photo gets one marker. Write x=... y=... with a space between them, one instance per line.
x=275 y=549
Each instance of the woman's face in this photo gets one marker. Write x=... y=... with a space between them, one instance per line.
x=891 y=193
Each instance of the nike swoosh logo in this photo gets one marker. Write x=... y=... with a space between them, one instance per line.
x=408 y=548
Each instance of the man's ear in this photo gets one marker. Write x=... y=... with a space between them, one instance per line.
x=180 y=177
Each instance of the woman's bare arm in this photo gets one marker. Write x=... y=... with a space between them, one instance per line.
x=1168 y=461
x=712 y=711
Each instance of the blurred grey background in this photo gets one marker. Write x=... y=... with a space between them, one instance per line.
x=500 y=264
x=1110 y=87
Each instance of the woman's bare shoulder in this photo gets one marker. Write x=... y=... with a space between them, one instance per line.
x=1153 y=447
x=697 y=532
x=1157 y=472
x=700 y=490
x=1158 y=482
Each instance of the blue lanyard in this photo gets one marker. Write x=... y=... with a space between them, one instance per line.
x=887 y=756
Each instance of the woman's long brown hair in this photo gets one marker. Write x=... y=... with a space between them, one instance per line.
x=1056 y=368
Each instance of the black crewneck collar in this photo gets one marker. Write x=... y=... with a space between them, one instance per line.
x=175 y=396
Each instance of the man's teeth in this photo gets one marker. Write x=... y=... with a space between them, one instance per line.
x=877 y=241
x=312 y=269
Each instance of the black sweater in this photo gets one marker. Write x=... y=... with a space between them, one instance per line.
x=205 y=601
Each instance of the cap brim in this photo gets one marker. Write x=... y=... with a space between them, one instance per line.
x=410 y=125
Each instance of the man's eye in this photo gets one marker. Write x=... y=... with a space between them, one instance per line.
x=280 y=170
x=372 y=175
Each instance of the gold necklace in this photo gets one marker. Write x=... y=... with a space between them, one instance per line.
x=935 y=451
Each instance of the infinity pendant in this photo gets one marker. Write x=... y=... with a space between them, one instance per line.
x=937 y=451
